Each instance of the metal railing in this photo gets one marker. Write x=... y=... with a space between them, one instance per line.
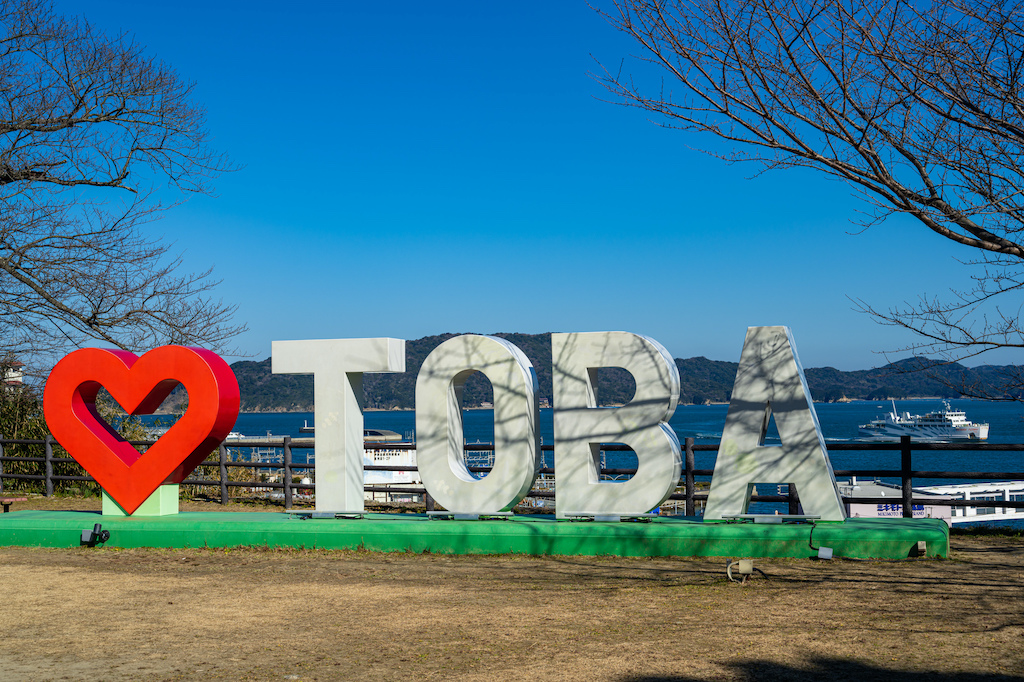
x=688 y=483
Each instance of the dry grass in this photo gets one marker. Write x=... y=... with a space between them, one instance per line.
x=318 y=615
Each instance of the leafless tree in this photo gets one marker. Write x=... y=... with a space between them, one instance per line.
x=919 y=106
x=92 y=133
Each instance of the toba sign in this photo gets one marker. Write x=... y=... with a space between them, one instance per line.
x=769 y=383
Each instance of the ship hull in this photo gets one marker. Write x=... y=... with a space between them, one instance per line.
x=894 y=433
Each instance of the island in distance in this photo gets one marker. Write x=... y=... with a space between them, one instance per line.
x=701 y=380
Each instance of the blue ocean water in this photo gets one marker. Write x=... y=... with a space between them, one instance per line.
x=704 y=423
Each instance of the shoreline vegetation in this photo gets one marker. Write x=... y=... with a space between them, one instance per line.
x=702 y=381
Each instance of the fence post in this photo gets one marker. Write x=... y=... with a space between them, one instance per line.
x=690 y=506
x=287 y=472
x=1 y=464
x=908 y=492
x=48 y=461
x=223 y=452
x=794 y=498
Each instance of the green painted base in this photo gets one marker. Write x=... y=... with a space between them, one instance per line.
x=536 y=535
x=163 y=502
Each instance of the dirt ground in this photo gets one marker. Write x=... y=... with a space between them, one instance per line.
x=254 y=614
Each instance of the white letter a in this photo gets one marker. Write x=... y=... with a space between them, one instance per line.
x=770 y=382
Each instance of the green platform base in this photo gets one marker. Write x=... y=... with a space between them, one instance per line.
x=534 y=535
x=163 y=502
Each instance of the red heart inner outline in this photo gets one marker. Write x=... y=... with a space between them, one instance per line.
x=140 y=385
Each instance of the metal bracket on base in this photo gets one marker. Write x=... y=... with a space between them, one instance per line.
x=772 y=518
x=96 y=536
x=315 y=514
x=608 y=517
x=469 y=516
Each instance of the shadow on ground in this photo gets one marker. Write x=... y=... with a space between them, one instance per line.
x=833 y=670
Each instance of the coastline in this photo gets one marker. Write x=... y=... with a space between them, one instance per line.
x=707 y=404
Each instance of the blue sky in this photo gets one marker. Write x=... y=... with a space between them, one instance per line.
x=415 y=168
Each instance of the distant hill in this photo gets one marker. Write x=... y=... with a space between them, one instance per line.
x=701 y=380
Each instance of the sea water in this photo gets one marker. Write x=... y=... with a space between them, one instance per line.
x=704 y=423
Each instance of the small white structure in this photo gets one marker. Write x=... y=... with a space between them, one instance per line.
x=859 y=510
x=1009 y=491
x=13 y=375
x=395 y=458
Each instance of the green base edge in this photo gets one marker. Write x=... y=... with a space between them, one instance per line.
x=532 y=535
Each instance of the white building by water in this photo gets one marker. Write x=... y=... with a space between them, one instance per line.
x=873 y=488
x=1009 y=491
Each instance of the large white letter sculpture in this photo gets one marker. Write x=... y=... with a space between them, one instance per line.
x=770 y=381
x=581 y=426
x=337 y=366
x=440 y=450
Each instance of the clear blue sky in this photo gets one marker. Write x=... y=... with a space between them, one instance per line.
x=416 y=168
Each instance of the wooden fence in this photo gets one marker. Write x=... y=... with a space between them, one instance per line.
x=688 y=483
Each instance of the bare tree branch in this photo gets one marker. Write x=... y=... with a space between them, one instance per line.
x=90 y=129
x=919 y=106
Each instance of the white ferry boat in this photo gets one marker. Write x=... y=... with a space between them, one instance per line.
x=942 y=425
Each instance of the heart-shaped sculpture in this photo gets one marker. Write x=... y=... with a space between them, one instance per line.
x=139 y=385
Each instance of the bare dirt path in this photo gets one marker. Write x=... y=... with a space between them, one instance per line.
x=315 y=615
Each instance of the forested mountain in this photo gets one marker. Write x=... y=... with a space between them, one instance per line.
x=701 y=380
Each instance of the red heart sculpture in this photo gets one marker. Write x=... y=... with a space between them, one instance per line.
x=139 y=385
